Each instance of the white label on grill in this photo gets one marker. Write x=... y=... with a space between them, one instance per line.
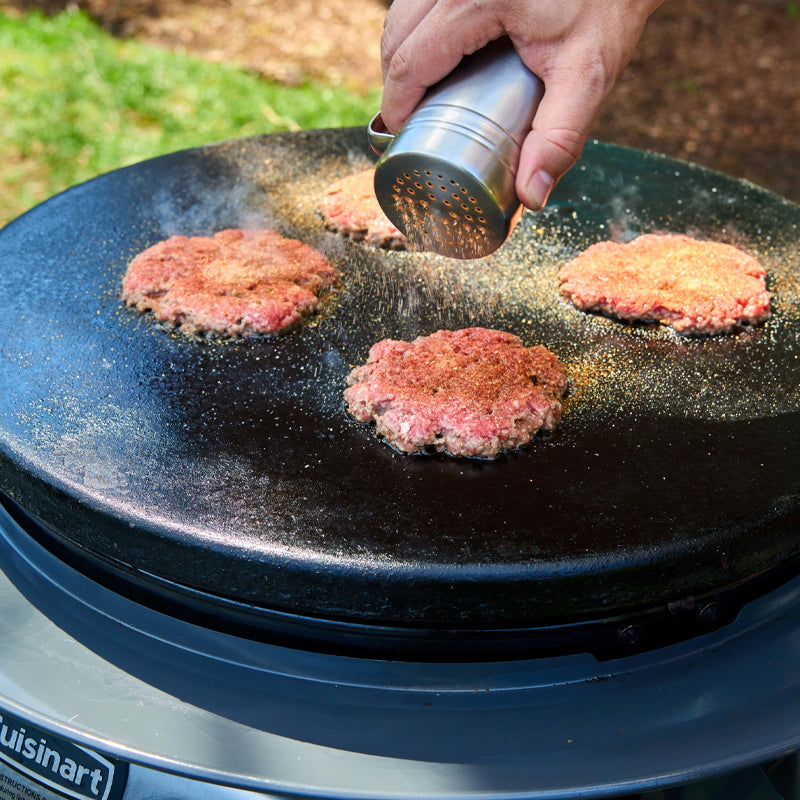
x=16 y=786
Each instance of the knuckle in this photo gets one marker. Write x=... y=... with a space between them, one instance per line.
x=388 y=48
x=398 y=66
x=563 y=145
x=568 y=142
x=599 y=69
x=387 y=51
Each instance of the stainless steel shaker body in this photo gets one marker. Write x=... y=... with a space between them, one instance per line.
x=447 y=178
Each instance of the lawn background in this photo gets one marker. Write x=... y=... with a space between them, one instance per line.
x=79 y=97
x=76 y=102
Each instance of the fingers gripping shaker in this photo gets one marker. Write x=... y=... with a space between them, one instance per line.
x=446 y=180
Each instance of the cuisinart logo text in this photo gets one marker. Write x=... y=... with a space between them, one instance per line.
x=56 y=762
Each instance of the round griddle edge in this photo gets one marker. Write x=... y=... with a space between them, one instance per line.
x=231 y=472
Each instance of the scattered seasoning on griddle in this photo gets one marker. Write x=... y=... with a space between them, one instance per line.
x=616 y=370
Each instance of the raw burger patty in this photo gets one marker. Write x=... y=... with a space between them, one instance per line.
x=351 y=208
x=697 y=287
x=235 y=283
x=471 y=392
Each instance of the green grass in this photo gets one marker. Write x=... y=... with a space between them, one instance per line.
x=75 y=102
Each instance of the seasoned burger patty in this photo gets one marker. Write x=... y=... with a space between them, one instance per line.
x=351 y=208
x=234 y=283
x=471 y=392
x=696 y=287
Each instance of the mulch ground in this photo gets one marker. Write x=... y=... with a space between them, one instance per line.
x=716 y=82
x=713 y=81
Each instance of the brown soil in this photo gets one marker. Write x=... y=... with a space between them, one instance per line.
x=713 y=81
x=716 y=82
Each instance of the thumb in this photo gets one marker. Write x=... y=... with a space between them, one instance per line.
x=558 y=134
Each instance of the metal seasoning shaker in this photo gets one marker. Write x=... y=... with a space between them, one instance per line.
x=446 y=180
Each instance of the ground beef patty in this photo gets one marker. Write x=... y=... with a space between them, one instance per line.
x=471 y=392
x=696 y=287
x=234 y=283
x=351 y=208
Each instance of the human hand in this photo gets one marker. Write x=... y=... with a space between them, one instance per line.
x=577 y=48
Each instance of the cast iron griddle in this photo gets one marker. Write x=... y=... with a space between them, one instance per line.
x=231 y=474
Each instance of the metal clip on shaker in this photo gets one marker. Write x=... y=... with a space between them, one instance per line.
x=447 y=179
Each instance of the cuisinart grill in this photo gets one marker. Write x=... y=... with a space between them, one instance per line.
x=215 y=583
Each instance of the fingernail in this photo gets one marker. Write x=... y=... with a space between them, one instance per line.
x=539 y=187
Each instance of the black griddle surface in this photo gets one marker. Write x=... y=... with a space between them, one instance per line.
x=231 y=470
